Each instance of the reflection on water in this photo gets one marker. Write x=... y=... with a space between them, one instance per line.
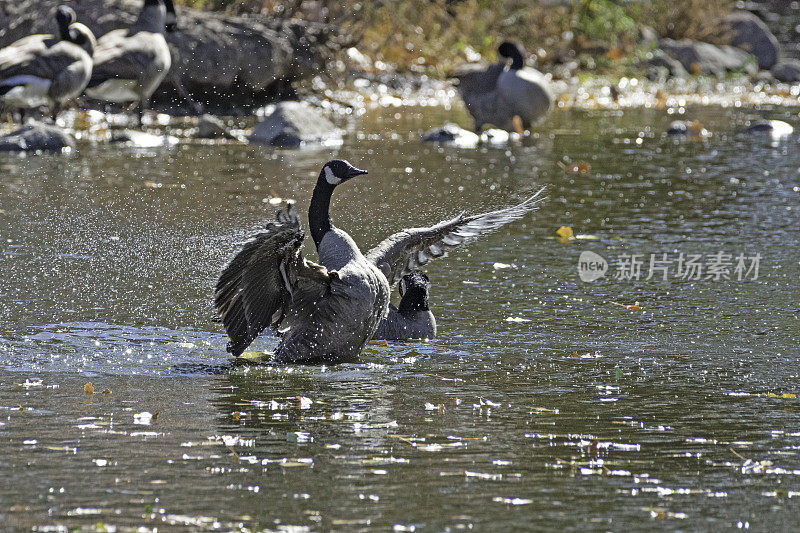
x=585 y=411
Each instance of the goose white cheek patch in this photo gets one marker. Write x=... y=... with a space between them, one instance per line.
x=330 y=178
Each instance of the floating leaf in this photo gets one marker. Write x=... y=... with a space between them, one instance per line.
x=88 y=389
x=105 y=391
x=517 y=319
x=253 y=358
x=628 y=306
x=379 y=343
x=575 y=168
x=565 y=234
x=503 y=266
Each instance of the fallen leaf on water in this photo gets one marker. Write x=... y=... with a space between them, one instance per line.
x=379 y=343
x=517 y=319
x=106 y=391
x=626 y=306
x=88 y=389
x=595 y=355
x=501 y=266
x=565 y=234
x=253 y=358
x=575 y=168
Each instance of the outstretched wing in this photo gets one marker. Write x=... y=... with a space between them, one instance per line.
x=266 y=278
x=409 y=249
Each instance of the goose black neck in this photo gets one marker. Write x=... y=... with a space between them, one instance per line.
x=517 y=61
x=63 y=21
x=319 y=216
x=414 y=299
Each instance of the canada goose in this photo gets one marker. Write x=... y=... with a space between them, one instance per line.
x=45 y=69
x=498 y=93
x=130 y=64
x=326 y=313
x=411 y=319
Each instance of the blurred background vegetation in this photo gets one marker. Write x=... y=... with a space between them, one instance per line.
x=435 y=35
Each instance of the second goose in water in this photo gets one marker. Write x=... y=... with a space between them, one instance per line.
x=326 y=313
x=130 y=64
x=411 y=320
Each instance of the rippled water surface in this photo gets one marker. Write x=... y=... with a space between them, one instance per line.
x=612 y=405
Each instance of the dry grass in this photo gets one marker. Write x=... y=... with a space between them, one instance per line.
x=435 y=35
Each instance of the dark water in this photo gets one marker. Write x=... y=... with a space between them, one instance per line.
x=581 y=414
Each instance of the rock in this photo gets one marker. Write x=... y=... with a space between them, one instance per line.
x=211 y=127
x=773 y=128
x=690 y=128
x=787 y=70
x=37 y=137
x=295 y=124
x=752 y=35
x=452 y=135
x=659 y=58
x=141 y=139
x=220 y=60
x=497 y=137
x=704 y=58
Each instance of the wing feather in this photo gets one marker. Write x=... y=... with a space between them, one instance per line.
x=412 y=248
x=267 y=278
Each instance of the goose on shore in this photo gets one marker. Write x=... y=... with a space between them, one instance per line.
x=496 y=94
x=411 y=320
x=46 y=69
x=129 y=64
x=325 y=313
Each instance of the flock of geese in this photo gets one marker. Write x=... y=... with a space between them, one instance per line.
x=124 y=65
x=127 y=65
x=326 y=312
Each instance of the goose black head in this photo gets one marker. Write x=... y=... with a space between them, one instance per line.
x=168 y=9
x=83 y=37
x=65 y=16
x=414 y=292
x=171 y=22
x=337 y=171
x=514 y=52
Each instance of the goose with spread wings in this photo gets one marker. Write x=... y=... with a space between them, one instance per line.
x=325 y=313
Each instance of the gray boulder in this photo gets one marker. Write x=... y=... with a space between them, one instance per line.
x=295 y=124
x=787 y=70
x=211 y=127
x=36 y=137
x=705 y=58
x=453 y=135
x=752 y=35
x=773 y=128
x=218 y=59
x=659 y=59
